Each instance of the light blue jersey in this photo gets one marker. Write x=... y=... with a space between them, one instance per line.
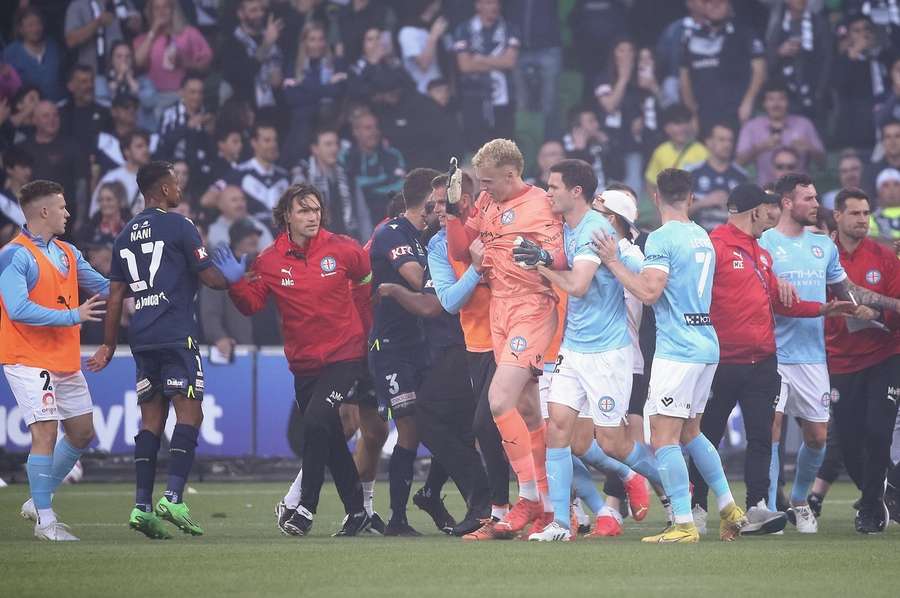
x=598 y=321
x=684 y=331
x=809 y=262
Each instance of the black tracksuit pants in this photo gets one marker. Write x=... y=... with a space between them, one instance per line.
x=481 y=369
x=319 y=398
x=755 y=388
x=445 y=408
x=864 y=417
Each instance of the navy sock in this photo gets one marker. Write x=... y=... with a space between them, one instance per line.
x=437 y=477
x=400 y=471
x=146 y=446
x=181 y=452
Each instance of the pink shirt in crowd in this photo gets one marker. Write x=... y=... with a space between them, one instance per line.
x=757 y=131
x=191 y=50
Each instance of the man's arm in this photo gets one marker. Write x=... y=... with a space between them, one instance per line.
x=647 y=286
x=576 y=281
x=453 y=293
x=413 y=273
x=418 y=304
x=847 y=290
x=105 y=352
x=757 y=79
x=687 y=90
x=14 y=293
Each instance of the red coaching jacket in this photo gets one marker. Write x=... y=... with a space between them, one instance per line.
x=744 y=295
x=876 y=268
x=318 y=291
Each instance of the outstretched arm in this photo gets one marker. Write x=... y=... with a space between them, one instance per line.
x=105 y=352
x=846 y=290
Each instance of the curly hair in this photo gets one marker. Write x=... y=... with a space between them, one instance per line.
x=498 y=153
x=286 y=202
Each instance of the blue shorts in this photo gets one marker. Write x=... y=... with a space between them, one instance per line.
x=169 y=371
x=396 y=376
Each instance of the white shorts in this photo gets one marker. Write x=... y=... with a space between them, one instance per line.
x=48 y=396
x=679 y=389
x=805 y=391
x=544 y=395
x=597 y=385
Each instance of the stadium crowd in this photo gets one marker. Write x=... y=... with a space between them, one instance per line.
x=271 y=107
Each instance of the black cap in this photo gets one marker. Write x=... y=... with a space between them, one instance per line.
x=241 y=229
x=125 y=98
x=747 y=196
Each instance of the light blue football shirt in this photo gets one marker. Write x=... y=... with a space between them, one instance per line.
x=597 y=322
x=809 y=262
x=684 y=331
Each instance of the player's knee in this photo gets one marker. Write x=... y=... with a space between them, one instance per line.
x=558 y=435
x=815 y=438
x=80 y=439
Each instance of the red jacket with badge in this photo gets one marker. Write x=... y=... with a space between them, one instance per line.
x=876 y=268
x=744 y=295
x=313 y=288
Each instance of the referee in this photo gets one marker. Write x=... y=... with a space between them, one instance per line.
x=745 y=292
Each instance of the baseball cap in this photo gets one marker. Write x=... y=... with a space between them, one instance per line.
x=747 y=196
x=887 y=175
x=623 y=205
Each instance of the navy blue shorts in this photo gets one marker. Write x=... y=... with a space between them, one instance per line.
x=396 y=376
x=169 y=371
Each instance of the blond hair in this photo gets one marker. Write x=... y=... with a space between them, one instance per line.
x=498 y=153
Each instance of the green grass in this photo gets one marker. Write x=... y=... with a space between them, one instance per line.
x=242 y=554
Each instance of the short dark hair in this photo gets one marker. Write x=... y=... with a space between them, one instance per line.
x=257 y=126
x=721 y=124
x=676 y=113
x=222 y=132
x=620 y=186
x=786 y=184
x=149 y=175
x=674 y=185
x=16 y=156
x=467 y=185
x=395 y=205
x=577 y=173
x=191 y=75
x=38 y=189
x=576 y=112
x=323 y=131
x=774 y=86
x=79 y=68
x=436 y=82
x=417 y=186
x=890 y=123
x=840 y=200
x=286 y=202
x=129 y=137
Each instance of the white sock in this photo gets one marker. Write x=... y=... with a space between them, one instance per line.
x=724 y=500
x=684 y=518
x=292 y=498
x=46 y=517
x=529 y=491
x=548 y=506
x=608 y=512
x=499 y=511
x=369 y=497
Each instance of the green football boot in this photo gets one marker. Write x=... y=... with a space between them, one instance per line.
x=148 y=524
x=179 y=515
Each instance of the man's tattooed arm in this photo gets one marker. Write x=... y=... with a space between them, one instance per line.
x=848 y=291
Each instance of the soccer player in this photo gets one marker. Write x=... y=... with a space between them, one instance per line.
x=311 y=273
x=811 y=262
x=676 y=279
x=864 y=364
x=594 y=366
x=159 y=259
x=512 y=215
x=40 y=346
x=397 y=349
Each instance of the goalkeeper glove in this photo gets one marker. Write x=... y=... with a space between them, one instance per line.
x=529 y=254
x=454 y=188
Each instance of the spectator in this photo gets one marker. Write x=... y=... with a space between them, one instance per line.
x=315 y=82
x=121 y=79
x=715 y=178
x=885 y=219
x=628 y=94
x=724 y=56
x=885 y=17
x=377 y=168
x=670 y=49
x=850 y=170
x=346 y=211
x=487 y=51
x=36 y=57
x=93 y=27
x=681 y=150
x=799 y=50
x=777 y=128
x=858 y=79
x=184 y=128
x=444 y=119
x=57 y=158
x=357 y=17
x=260 y=177
x=420 y=42
x=107 y=153
x=113 y=212
x=229 y=143
x=587 y=141
x=888 y=107
x=169 y=49
x=251 y=59
x=10 y=82
x=540 y=59
x=17 y=166
x=890 y=143
x=376 y=69
x=19 y=124
x=81 y=118
x=232 y=205
x=784 y=160
x=135 y=147
x=297 y=14
x=550 y=154
x=595 y=25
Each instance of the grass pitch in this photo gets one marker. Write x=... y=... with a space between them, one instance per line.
x=242 y=554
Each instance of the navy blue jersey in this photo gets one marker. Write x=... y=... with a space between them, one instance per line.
x=444 y=330
x=394 y=244
x=158 y=255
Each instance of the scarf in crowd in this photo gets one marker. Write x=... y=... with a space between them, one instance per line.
x=806 y=29
x=264 y=94
x=882 y=9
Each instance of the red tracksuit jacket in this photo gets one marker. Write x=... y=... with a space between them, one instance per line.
x=744 y=295
x=319 y=291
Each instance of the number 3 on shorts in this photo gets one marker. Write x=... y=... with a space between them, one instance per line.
x=393 y=387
